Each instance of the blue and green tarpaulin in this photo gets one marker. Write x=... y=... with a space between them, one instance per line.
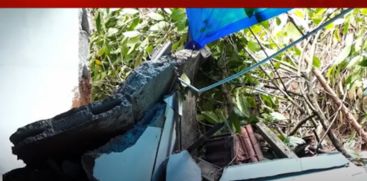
x=209 y=24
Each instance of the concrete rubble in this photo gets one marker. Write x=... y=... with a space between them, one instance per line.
x=74 y=133
x=90 y=126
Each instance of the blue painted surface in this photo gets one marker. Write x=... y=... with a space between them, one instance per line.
x=209 y=24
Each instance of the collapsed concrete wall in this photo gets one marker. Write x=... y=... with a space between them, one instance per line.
x=47 y=145
x=73 y=132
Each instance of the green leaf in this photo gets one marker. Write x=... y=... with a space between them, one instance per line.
x=134 y=24
x=354 y=61
x=265 y=24
x=267 y=100
x=185 y=79
x=208 y=116
x=155 y=16
x=291 y=31
x=316 y=62
x=256 y=29
x=299 y=13
x=241 y=105
x=211 y=117
x=158 y=26
x=343 y=54
x=253 y=46
x=276 y=116
x=149 y=49
x=278 y=21
x=329 y=26
x=112 y=31
x=168 y=10
x=337 y=35
x=253 y=119
x=131 y=34
x=111 y=22
x=129 y=11
x=98 y=22
x=177 y=14
x=237 y=125
x=363 y=62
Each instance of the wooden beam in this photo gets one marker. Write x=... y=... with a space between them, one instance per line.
x=273 y=140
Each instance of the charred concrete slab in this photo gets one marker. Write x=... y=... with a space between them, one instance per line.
x=87 y=127
x=69 y=135
x=148 y=83
x=72 y=132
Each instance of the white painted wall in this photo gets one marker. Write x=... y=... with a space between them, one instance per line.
x=38 y=69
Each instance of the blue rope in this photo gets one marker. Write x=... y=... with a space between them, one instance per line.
x=248 y=69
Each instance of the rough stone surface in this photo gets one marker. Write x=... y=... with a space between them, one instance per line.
x=75 y=131
x=147 y=84
x=190 y=69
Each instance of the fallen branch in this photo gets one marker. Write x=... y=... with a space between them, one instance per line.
x=331 y=123
x=324 y=122
x=315 y=107
x=350 y=118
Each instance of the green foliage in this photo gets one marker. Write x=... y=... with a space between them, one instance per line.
x=124 y=38
x=233 y=54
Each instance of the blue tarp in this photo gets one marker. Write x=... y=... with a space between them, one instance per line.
x=209 y=24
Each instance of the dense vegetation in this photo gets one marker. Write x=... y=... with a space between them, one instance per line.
x=123 y=38
x=289 y=94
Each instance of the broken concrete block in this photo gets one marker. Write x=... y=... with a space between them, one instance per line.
x=72 y=132
x=87 y=127
x=148 y=84
x=190 y=69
